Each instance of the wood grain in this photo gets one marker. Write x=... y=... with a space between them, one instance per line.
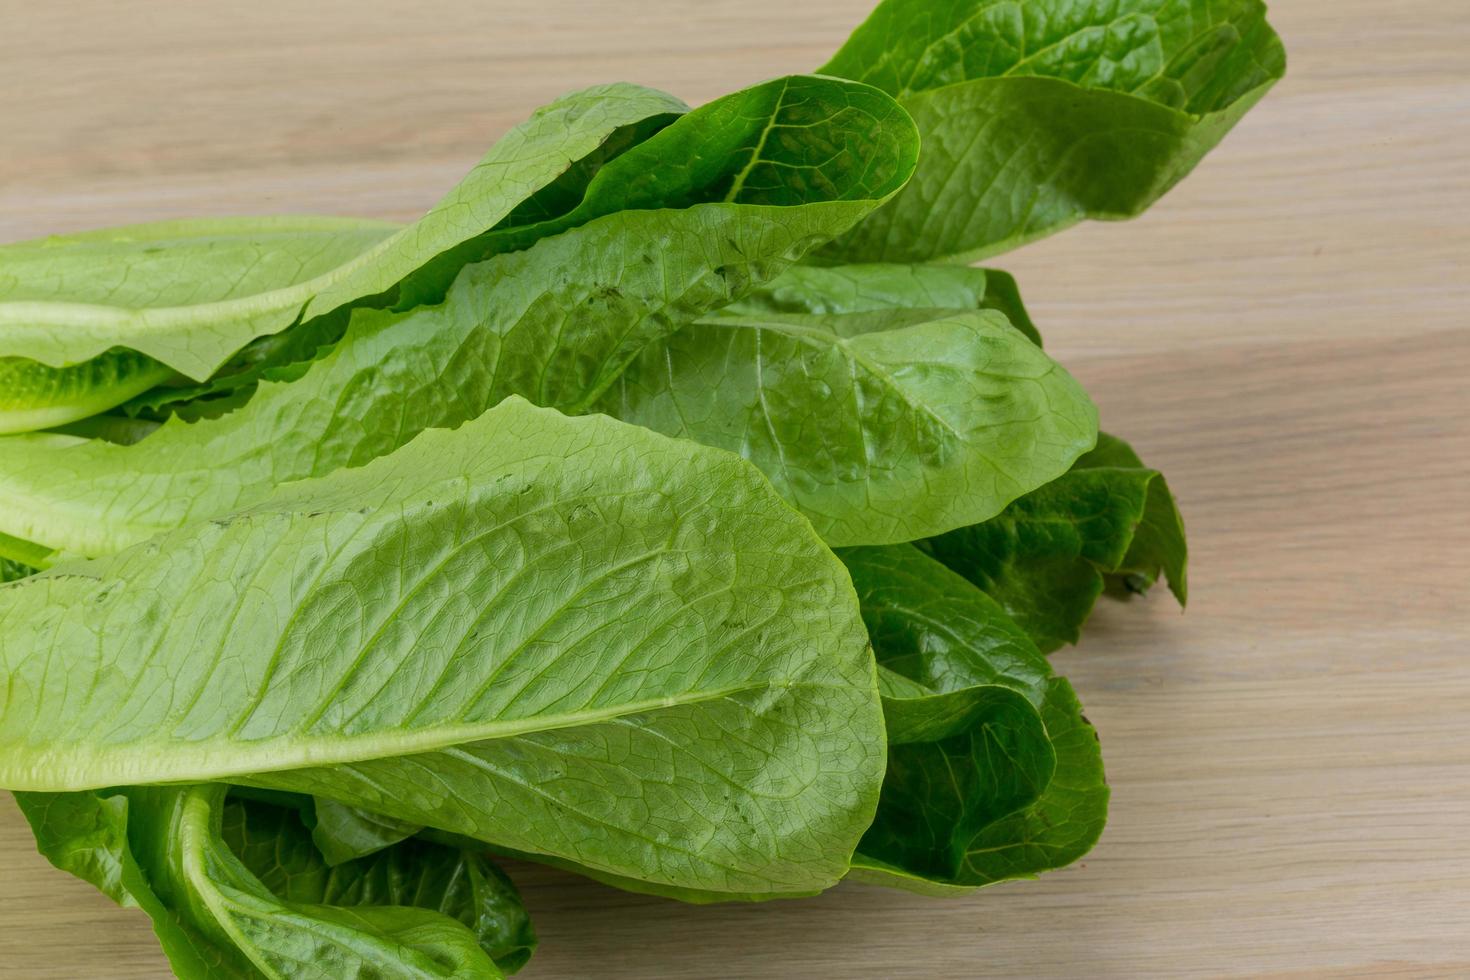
x=1286 y=335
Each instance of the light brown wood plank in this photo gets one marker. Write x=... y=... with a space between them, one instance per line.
x=1287 y=334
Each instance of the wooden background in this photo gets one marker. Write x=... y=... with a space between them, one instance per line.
x=1286 y=335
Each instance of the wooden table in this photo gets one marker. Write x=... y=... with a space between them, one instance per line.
x=1286 y=335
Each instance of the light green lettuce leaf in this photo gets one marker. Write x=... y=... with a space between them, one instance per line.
x=87 y=835
x=880 y=427
x=569 y=637
x=555 y=323
x=23 y=555
x=191 y=294
x=743 y=135
x=1109 y=521
x=1036 y=114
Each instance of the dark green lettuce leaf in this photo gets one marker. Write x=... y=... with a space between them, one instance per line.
x=555 y=323
x=13 y=571
x=1036 y=114
x=992 y=758
x=881 y=426
x=275 y=845
x=1108 y=522
x=1158 y=546
x=993 y=773
x=933 y=628
x=542 y=632
x=1067 y=819
x=235 y=889
x=342 y=833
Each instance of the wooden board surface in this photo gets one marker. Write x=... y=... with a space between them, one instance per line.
x=1287 y=335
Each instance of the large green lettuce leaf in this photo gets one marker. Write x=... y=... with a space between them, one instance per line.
x=235 y=889
x=555 y=323
x=569 y=637
x=881 y=427
x=992 y=771
x=1036 y=114
x=1109 y=521
x=191 y=294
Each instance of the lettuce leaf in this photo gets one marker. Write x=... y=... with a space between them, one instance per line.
x=1110 y=522
x=874 y=287
x=190 y=294
x=993 y=773
x=342 y=833
x=555 y=323
x=880 y=427
x=1036 y=114
x=568 y=637
x=234 y=889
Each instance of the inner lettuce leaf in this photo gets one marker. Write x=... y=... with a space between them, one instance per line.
x=283 y=356
x=1036 y=114
x=1110 y=523
x=993 y=773
x=881 y=427
x=13 y=571
x=190 y=294
x=235 y=889
x=342 y=833
x=275 y=844
x=567 y=637
x=555 y=323
x=109 y=427
x=34 y=396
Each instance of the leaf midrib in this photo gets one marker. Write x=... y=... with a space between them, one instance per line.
x=122 y=764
